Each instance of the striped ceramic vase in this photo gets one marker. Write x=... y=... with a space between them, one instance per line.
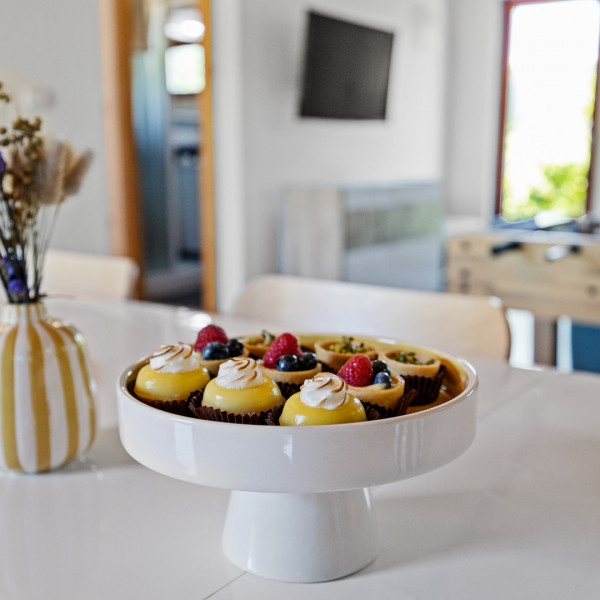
x=47 y=413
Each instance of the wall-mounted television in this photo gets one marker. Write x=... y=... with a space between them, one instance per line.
x=346 y=69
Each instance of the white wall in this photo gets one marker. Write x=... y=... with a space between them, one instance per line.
x=230 y=229
x=50 y=58
x=472 y=110
x=278 y=149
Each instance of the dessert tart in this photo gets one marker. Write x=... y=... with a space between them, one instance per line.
x=373 y=384
x=214 y=347
x=334 y=353
x=404 y=380
x=411 y=362
x=414 y=406
x=290 y=381
x=323 y=400
x=287 y=365
x=422 y=371
x=171 y=375
x=239 y=393
x=256 y=346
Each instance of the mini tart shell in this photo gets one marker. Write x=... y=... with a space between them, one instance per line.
x=255 y=350
x=292 y=377
x=289 y=382
x=213 y=365
x=379 y=396
x=425 y=379
x=336 y=360
x=408 y=369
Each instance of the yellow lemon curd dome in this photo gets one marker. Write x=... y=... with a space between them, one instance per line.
x=173 y=373
x=323 y=400
x=241 y=388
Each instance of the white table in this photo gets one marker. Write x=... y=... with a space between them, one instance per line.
x=516 y=516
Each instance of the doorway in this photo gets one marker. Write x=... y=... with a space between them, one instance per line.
x=168 y=140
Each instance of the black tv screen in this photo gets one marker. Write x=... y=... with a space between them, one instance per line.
x=346 y=70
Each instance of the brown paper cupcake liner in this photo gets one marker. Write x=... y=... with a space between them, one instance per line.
x=288 y=389
x=371 y=411
x=177 y=407
x=427 y=388
x=387 y=413
x=194 y=402
x=208 y=413
x=273 y=416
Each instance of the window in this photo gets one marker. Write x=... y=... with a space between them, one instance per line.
x=549 y=85
x=184 y=69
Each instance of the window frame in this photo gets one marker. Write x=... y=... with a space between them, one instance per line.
x=507 y=8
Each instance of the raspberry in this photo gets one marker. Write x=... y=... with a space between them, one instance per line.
x=210 y=333
x=357 y=371
x=286 y=343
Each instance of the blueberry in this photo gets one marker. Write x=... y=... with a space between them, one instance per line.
x=287 y=362
x=215 y=351
x=384 y=378
x=380 y=367
x=235 y=347
x=307 y=361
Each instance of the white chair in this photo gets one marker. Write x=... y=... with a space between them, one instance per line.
x=89 y=276
x=466 y=326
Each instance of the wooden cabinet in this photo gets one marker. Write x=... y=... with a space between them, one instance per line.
x=548 y=273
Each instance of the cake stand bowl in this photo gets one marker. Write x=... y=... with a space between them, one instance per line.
x=300 y=508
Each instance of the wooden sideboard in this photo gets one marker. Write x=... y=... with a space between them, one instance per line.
x=549 y=273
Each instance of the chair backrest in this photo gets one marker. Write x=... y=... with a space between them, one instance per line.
x=89 y=276
x=461 y=325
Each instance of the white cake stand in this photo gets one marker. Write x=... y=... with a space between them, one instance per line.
x=300 y=508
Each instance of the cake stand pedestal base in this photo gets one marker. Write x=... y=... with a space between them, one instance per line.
x=301 y=537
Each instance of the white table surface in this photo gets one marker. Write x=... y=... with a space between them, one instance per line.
x=516 y=516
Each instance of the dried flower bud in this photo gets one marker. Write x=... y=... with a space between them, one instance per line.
x=35 y=174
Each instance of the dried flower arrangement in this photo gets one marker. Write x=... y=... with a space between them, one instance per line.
x=36 y=175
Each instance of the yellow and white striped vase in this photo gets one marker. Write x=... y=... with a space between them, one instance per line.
x=47 y=414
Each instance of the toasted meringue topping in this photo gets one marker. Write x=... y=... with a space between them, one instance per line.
x=174 y=358
x=239 y=373
x=324 y=390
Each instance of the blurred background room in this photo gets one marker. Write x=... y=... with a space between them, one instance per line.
x=228 y=143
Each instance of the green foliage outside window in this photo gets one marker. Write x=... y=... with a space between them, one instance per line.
x=565 y=188
x=564 y=191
